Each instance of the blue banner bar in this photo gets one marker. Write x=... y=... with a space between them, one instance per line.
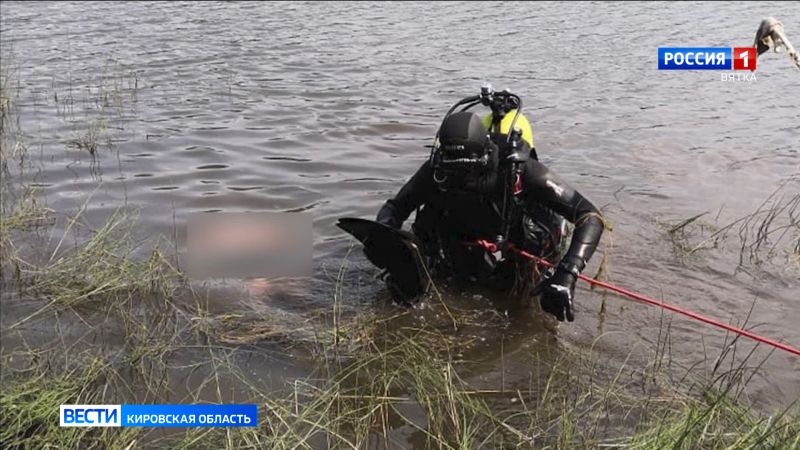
x=189 y=415
x=695 y=58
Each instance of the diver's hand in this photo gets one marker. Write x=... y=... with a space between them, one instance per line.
x=558 y=293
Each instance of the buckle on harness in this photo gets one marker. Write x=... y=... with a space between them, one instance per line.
x=518 y=185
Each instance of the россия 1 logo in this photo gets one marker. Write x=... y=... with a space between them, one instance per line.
x=707 y=58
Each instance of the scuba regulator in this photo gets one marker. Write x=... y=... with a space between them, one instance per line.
x=474 y=154
x=459 y=150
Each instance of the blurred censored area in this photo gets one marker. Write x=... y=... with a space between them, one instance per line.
x=246 y=245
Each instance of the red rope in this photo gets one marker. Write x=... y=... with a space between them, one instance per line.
x=639 y=297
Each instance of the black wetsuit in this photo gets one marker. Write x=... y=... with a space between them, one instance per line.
x=452 y=217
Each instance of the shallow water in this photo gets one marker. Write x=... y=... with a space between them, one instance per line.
x=326 y=108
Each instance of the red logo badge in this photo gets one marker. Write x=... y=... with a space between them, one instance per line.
x=744 y=58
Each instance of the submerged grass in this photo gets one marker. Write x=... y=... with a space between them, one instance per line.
x=102 y=268
x=378 y=381
x=30 y=404
x=772 y=230
x=89 y=140
x=377 y=385
x=408 y=387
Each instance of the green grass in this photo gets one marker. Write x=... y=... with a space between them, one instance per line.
x=769 y=233
x=101 y=269
x=378 y=379
x=400 y=379
x=30 y=404
x=717 y=422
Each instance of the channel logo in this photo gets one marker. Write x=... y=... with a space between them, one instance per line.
x=706 y=58
x=90 y=415
x=245 y=415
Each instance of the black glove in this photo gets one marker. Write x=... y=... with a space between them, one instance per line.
x=558 y=292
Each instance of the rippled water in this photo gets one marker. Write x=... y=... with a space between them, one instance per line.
x=326 y=108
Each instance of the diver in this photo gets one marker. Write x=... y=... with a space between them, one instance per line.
x=483 y=184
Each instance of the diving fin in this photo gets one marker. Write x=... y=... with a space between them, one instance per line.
x=398 y=252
